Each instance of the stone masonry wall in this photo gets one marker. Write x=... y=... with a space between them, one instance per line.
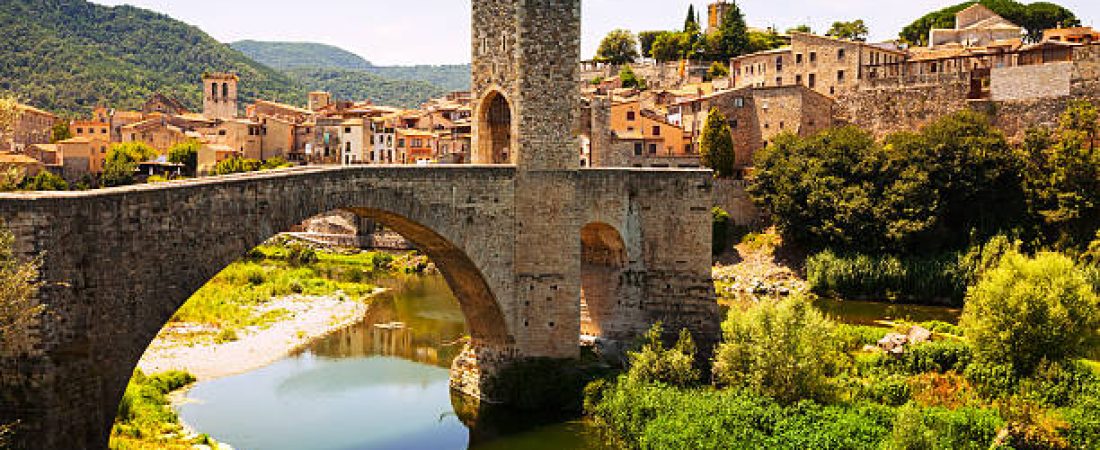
x=1031 y=82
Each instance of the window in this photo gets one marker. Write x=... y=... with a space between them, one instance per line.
x=782 y=125
x=733 y=124
x=840 y=76
x=656 y=130
x=225 y=90
x=221 y=132
x=798 y=58
x=347 y=130
x=778 y=63
x=778 y=81
x=631 y=116
x=739 y=102
x=687 y=148
x=401 y=143
x=798 y=80
x=103 y=131
x=813 y=80
x=213 y=89
x=840 y=54
x=813 y=57
x=638 y=149
x=652 y=149
x=935 y=68
x=79 y=131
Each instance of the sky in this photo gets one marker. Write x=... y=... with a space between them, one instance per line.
x=404 y=32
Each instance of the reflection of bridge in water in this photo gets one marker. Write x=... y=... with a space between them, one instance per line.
x=509 y=236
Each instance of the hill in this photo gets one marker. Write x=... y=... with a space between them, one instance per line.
x=1035 y=17
x=297 y=55
x=451 y=77
x=362 y=85
x=69 y=56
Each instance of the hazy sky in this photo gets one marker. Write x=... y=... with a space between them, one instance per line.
x=388 y=32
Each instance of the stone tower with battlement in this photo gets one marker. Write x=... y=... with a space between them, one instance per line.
x=525 y=74
x=219 y=99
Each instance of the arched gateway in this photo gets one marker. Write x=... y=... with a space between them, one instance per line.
x=118 y=263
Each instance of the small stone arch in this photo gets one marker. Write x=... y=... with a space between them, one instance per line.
x=610 y=306
x=496 y=143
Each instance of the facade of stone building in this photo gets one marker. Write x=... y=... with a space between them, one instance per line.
x=155 y=131
x=34 y=126
x=160 y=103
x=824 y=64
x=975 y=26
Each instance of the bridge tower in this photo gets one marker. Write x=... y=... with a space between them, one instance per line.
x=525 y=72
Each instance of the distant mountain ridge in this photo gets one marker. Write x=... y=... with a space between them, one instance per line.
x=70 y=56
x=299 y=55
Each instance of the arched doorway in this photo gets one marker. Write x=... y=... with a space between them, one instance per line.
x=495 y=130
x=609 y=296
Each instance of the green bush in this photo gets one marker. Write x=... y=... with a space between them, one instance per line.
x=1083 y=417
x=941 y=327
x=938 y=356
x=855 y=337
x=661 y=417
x=655 y=364
x=886 y=277
x=1029 y=310
x=1058 y=384
x=143 y=411
x=940 y=428
x=784 y=350
x=891 y=390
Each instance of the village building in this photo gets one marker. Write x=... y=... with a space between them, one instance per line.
x=156 y=132
x=383 y=140
x=26 y=165
x=1074 y=35
x=355 y=141
x=975 y=26
x=34 y=126
x=211 y=154
x=415 y=146
x=163 y=104
x=78 y=158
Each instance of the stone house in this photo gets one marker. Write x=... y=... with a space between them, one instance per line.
x=160 y=103
x=975 y=26
x=415 y=146
x=1074 y=35
x=34 y=126
x=98 y=135
x=78 y=158
x=155 y=131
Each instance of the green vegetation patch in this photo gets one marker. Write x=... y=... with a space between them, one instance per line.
x=145 y=417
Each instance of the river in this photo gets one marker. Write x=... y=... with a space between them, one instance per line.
x=384 y=384
x=375 y=385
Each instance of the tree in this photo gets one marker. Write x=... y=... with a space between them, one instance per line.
x=237 y=165
x=716 y=145
x=46 y=181
x=18 y=290
x=800 y=29
x=646 y=40
x=122 y=161
x=629 y=79
x=1034 y=17
x=764 y=40
x=618 y=47
x=656 y=364
x=670 y=46
x=1063 y=176
x=1030 y=311
x=785 y=350
x=854 y=31
x=717 y=70
x=694 y=34
x=10 y=112
x=60 y=132
x=186 y=153
x=733 y=35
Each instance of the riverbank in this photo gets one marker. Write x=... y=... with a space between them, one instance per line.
x=304 y=320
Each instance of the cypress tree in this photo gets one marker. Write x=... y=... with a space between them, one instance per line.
x=716 y=145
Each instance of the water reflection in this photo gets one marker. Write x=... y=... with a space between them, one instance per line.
x=382 y=384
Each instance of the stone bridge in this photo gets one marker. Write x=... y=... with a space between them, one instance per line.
x=535 y=249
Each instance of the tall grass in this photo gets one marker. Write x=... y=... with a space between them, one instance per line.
x=938 y=279
x=145 y=420
x=230 y=299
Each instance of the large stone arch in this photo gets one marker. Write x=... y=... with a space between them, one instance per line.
x=118 y=264
x=611 y=309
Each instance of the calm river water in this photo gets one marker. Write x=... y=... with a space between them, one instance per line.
x=372 y=386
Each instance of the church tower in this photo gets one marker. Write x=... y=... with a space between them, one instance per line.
x=219 y=99
x=525 y=74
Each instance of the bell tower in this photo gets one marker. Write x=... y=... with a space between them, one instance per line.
x=525 y=72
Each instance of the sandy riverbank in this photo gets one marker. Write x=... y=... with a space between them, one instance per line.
x=308 y=319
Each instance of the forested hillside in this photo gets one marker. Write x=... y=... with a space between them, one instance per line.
x=451 y=77
x=361 y=85
x=70 y=55
x=298 y=55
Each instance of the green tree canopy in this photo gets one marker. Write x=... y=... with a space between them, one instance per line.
x=630 y=79
x=670 y=46
x=646 y=40
x=855 y=30
x=1034 y=17
x=60 y=132
x=733 y=35
x=46 y=181
x=122 y=160
x=800 y=29
x=186 y=153
x=1030 y=311
x=717 y=70
x=618 y=47
x=1063 y=176
x=716 y=145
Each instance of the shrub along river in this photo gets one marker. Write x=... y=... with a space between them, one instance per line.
x=384 y=384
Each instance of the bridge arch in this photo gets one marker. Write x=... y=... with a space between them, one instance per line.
x=610 y=292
